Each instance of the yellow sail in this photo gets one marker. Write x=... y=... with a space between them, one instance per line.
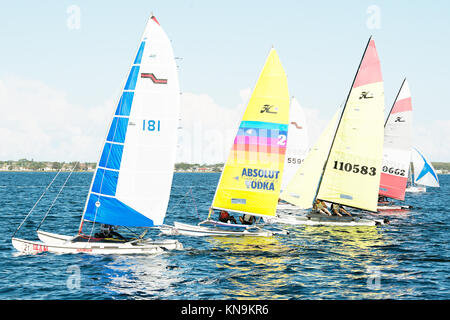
x=352 y=173
x=302 y=188
x=251 y=179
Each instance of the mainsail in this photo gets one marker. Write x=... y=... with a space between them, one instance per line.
x=352 y=170
x=424 y=173
x=297 y=142
x=251 y=179
x=301 y=189
x=132 y=181
x=397 y=146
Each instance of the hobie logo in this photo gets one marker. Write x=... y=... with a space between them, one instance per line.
x=153 y=78
x=267 y=108
x=399 y=119
x=366 y=95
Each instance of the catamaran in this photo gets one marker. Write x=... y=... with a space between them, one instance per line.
x=350 y=175
x=132 y=181
x=424 y=174
x=251 y=178
x=396 y=151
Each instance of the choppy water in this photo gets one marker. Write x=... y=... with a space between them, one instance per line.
x=408 y=259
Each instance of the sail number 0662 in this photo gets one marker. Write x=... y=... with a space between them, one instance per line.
x=151 y=125
x=356 y=168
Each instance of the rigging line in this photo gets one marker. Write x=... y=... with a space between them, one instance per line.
x=42 y=195
x=59 y=192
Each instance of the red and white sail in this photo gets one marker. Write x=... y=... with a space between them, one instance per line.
x=397 y=146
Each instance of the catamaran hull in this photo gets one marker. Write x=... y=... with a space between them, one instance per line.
x=324 y=221
x=57 y=239
x=200 y=231
x=416 y=189
x=400 y=207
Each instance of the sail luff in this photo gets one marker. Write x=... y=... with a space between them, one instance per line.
x=352 y=170
x=251 y=179
x=397 y=146
x=118 y=97
x=340 y=118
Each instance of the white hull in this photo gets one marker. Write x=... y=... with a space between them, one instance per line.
x=324 y=221
x=415 y=189
x=393 y=207
x=55 y=243
x=286 y=206
x=201 y=231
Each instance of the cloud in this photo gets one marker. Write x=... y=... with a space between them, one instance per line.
x=40 y=123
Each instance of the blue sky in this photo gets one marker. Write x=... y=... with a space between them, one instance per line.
x=222 y=46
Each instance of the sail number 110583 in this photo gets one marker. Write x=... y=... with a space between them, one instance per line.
x=355 y=168
x=151 y=125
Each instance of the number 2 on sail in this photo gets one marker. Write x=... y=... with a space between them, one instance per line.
x=151 y=125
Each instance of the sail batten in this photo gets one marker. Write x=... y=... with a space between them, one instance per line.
x=352 y=170
x=251 y=178
x=131 y=185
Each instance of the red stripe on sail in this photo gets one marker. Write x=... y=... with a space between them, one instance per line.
x=370 y=69
x=154 y=19
x=393 y=186
x=402 y=105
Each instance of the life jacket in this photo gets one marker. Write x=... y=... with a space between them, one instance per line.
x=224 y=216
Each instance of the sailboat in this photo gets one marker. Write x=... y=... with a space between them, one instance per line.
x=424 y=173
x=397 y=150
x=296 y=148
x=132 y=181
x=351 y=171
x=251 y=178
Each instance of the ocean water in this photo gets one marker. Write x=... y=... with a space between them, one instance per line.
x=407 y=259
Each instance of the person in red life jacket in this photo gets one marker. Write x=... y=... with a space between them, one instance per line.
x=224 y=216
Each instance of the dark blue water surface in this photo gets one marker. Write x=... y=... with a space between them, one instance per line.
x=408 y=259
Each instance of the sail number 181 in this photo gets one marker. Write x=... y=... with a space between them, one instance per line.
x=354 y=168
x=151 y=125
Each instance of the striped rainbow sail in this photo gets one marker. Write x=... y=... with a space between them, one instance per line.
x=251 y=179
x=302 y=188
x=424 y=173
x=297 y=142
x=352 y=171
x=397 y=146
x=131 y=185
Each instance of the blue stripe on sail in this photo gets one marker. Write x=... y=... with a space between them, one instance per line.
x=132 y=78
x=114 y=212
x=139 y=54
x=124 y=106
x=111 y=156
x=263 y=125
x=118 y=130
x=105 y=182
x=260 y=132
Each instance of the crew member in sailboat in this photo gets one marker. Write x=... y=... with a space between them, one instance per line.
x=337 y=209
x=247 y=219
x=224 y=216
x=320 y=207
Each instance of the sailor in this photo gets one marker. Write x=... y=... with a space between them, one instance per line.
x=224 y=216
x=320 y=207
x=382 y=200
x=337 y=209
x=107 y=231
x=247 y=219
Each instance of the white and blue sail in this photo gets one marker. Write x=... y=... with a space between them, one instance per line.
x=132 y=182
x=424 y=173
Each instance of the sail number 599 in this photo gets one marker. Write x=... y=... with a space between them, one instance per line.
x=151 y=125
